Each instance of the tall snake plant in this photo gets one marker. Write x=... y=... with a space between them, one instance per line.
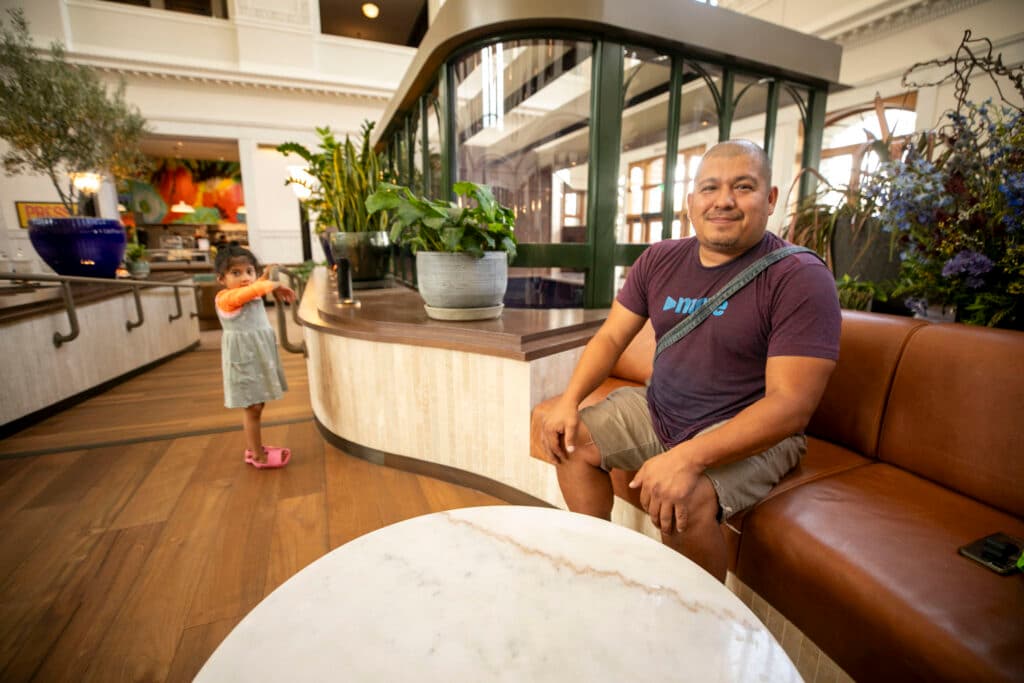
x=343 y=178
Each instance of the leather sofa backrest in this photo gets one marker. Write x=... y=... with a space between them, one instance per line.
x=955 y=409
x=850 y=412
x=637 y=362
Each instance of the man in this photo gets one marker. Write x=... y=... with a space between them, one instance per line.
x=722 y=418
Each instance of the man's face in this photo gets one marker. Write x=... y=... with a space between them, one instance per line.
x=730 y=205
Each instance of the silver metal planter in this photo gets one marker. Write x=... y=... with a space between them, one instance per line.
x=461 y=287
x=368 y=253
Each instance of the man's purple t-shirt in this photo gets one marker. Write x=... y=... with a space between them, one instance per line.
x=717 y=370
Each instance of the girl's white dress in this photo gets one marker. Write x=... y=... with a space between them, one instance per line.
x=249 y=359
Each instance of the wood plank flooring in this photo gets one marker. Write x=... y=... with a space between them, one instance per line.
x=133 y=538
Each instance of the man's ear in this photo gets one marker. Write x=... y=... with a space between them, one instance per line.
x=773 y=197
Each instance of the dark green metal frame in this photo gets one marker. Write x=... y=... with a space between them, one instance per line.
x=600 y=254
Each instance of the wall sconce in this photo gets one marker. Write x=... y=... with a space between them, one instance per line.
x=182 y=207
x=370 y=10
x=87 y=182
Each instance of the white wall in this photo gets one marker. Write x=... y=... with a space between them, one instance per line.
x=882 y=38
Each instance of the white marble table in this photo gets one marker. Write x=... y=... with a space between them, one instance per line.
x=500 y=594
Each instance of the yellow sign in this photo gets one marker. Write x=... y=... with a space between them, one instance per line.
x=29 y=210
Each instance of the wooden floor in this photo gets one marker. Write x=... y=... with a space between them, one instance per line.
x=133 y=538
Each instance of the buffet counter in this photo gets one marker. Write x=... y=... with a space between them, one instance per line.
x=447 y=399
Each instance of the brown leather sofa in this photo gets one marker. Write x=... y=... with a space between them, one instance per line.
x=916 y=449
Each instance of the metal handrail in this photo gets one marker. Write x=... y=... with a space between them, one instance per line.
x=69 y=301
x=299 y=285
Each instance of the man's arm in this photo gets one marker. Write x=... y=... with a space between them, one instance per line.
x=558 y=434
x=793 y=387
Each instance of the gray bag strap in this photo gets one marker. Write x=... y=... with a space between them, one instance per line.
x=745 y=277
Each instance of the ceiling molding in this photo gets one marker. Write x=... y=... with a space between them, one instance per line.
x=160 y=71
x=894 y=18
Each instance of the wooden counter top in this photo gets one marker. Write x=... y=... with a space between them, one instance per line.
x=396 y=315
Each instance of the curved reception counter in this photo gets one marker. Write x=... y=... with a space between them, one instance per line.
x=450 y=400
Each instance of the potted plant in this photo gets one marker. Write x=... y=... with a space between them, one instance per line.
x=859 y=295
x=338 y=178
x=59 y=120
x=137 y=260
x=846 y=231
x=462 y=252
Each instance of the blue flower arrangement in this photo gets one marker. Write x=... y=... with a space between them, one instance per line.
x=953 y=204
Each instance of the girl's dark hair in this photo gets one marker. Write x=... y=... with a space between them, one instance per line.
x=227 y=254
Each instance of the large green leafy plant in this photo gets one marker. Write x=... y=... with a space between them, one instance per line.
x=58 y=118
x=342 y=177
x=439 y=225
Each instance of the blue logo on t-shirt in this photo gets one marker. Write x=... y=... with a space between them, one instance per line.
x=687 y=305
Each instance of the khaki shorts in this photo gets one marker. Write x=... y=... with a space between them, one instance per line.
x=624 y=435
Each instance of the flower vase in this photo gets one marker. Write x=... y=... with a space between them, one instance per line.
x=938 y=313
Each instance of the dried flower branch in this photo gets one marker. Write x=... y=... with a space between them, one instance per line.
x=965 y=61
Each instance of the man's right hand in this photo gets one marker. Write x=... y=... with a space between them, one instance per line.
x=558 y=432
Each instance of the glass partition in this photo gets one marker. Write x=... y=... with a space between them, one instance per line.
x=700 y=122
x=522 y=127
x=647 y=76
x=435 y=143
x=416 y=147
x=402 y=155
x=750 y=108
x=595 y=144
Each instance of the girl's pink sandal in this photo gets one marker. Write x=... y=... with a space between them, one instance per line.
x=276 y=457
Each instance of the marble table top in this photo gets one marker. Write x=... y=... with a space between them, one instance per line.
x=500 y=593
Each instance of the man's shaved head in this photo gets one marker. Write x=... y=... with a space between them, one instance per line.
x=732 y=148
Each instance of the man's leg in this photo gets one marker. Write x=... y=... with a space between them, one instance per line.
x=702 y=539
x=585 y=486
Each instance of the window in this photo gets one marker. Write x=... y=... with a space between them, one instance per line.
x=645 y=185
x=203 y=8
x=846 y=143
x=574 y=228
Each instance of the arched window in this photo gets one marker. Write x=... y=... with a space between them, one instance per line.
x=846 y=144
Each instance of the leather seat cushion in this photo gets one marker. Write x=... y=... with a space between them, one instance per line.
x=865 y=562
x=822 y=459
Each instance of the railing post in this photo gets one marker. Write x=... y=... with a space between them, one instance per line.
x=177 y=302
x=282 y=326
x=69 y=305
x=138 y=311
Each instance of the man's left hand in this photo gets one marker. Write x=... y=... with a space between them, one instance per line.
x=666 y=484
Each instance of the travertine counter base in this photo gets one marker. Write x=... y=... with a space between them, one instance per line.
x=501 y=594
x=388 y=379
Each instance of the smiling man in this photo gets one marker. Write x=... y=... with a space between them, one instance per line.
x=722 y=418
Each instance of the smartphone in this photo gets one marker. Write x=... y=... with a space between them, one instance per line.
x=997 y=552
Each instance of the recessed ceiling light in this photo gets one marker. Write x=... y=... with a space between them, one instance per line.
x=370 y=10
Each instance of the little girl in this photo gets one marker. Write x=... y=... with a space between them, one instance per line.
x=249 y=360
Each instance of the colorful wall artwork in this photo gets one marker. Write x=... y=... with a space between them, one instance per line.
x=212 y=188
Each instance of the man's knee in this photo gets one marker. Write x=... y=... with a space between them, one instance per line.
x=702 y=509
x=585 y=451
